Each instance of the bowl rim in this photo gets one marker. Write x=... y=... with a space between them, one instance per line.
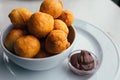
x=32 y=59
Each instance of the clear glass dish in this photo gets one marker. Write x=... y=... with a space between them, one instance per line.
x=83 y=72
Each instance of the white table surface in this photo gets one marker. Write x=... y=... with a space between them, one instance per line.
x=101 y=13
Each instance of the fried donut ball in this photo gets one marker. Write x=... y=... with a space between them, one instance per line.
x=67 y=17
x=27 y=46
x=56 y=42
x=40 y=24
x=41 y=54
x=19 y=17
x=11 y=38
x=52 y=7
x=60 y=25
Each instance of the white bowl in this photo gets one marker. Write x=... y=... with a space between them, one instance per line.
x=39 y=63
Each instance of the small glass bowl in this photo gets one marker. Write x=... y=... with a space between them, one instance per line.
x=83 y=72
